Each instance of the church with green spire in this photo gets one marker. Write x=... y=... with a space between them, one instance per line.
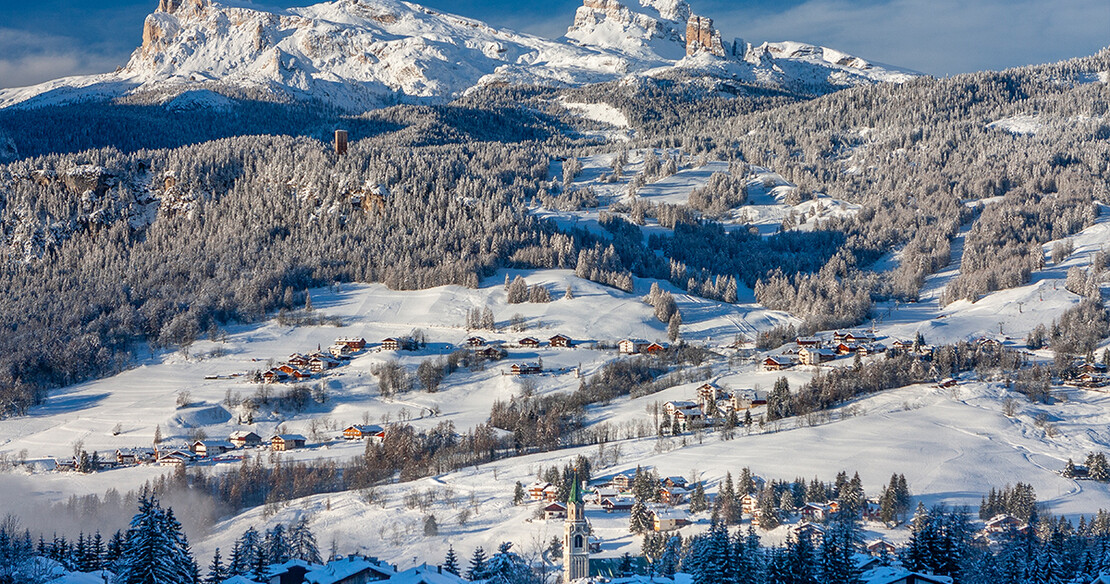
x=576 y=547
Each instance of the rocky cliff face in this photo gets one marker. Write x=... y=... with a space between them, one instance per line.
x=701 y=36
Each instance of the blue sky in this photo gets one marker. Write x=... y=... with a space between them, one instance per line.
x=45 y=39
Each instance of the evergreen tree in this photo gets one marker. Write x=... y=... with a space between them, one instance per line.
x=639 y=521
x=518 y=493
x=217 y=573
x=155 y=552
x=698 y=502
x=451 y=562
x=302 y=543
x=277 y=545
x=477 y=569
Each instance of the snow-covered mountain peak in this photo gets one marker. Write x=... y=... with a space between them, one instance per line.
x=360 y=54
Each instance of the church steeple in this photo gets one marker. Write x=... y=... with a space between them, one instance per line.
x=576 y=548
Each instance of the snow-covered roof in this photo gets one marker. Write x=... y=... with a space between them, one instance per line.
x=232 y=580
x=291 y=437
x=425 y=574
x=241 y=434
x=341 y=569
x=98 y=577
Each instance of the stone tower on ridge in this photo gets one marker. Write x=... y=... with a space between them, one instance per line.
x=576 y=547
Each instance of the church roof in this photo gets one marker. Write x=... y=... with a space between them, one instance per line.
x=575 y=495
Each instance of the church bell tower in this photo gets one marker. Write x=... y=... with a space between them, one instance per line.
x=576 y=547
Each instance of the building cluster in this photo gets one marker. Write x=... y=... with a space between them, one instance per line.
x=1089 y=375
x=298 y=367
x=712 y=404
x=615 y=496
x=816 y=350
x=353 y=569
x=201 y=450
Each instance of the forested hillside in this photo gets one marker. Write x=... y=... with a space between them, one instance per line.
x=107 y=251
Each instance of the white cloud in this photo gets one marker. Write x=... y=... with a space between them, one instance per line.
x=29 y=58
x=938 y=36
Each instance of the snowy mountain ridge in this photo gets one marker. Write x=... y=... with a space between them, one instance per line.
x=360 y=54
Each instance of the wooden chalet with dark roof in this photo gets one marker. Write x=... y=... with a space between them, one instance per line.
x=559 y=341
x=530 y=342
x=525 y=369
x=391 y=344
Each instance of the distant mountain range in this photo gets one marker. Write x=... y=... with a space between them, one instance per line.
x=361 y=54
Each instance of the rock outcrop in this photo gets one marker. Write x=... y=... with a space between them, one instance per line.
x=702 y=37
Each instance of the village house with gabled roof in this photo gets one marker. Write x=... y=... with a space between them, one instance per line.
x=632 y=346
x=241 y=438
x=204 y=448
x=283 y=442
x=363 y=431
x=559 y=341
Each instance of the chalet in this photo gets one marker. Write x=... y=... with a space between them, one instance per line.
x=846 y=348
x=1093 y=368
x=301 y=374
x=551 y=493
x=362 y=431
x=812 y=531
x=283 y=442
x=655 y=348
x=686 y=417
x=906 y=577
x=1000 y=523
x=525 y=368
x=350 y=570
x=559 y=341
x=988 y=343
x=275 y=376
x=901 y=345
x=674 y=482
x=535 y=490
x=211 y=447
x=425 y=574
x=674 y=405
x=289 y=572
x=475 y=342
x=749 y=503
x=815 y=356
x=241 y=438
x=622 y=482
x=870 y=349
x=856 y=337
x=340 y=351
x=602 y=493
x=672 y=496
x=617 y=504
x=709 y=393
x=175 y=458
x=320 y=363
x=881 y=547
x=742 y=399
x=297 y=360
x=354 y=343
x=391 y=344
x=666 y=519
x=134 y=455
x=777 y=363
x=632 y=346
x=490 y=352
x=808 y=342
x=287 y=369
x=815 y=511
x=555 y=510
x=530 y=342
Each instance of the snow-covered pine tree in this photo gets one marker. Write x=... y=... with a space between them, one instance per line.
x=451 y=561
x=477 y=568
x=302 y=543
x=154 y=552
x=217 y=572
